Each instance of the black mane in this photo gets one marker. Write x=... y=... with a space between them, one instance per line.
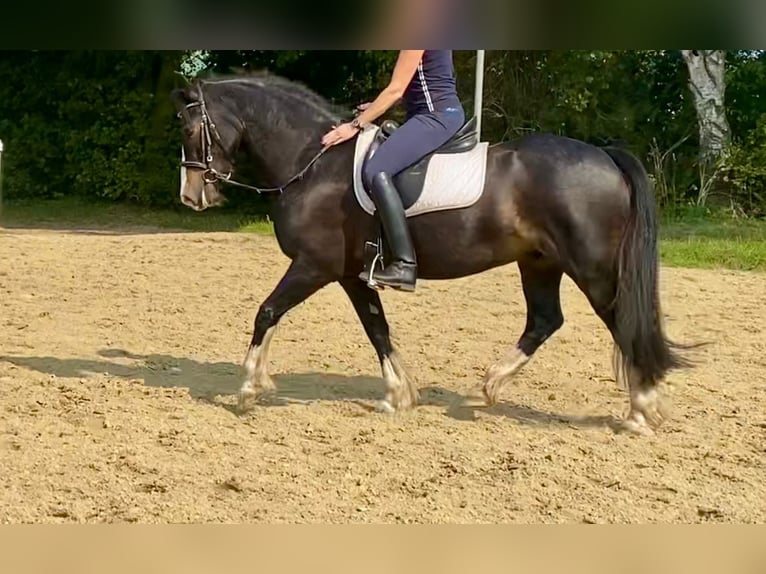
x=282 y=86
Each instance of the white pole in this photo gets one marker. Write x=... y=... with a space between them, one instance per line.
x=477 y=102
x=1 y=177
x=183 y=173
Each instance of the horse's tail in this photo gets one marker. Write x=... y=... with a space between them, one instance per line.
x=639 y=333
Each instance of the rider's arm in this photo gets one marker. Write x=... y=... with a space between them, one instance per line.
x=406 y=65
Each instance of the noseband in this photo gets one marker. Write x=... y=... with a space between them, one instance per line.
x=208 y=131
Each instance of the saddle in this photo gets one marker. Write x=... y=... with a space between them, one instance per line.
x=410 y=182
x=450 y=177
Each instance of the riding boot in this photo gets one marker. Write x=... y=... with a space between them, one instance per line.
x=401 y=273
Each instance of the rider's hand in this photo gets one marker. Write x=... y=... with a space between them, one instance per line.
x=339 y=134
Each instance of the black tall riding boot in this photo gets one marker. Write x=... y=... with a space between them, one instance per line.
x=401 y=273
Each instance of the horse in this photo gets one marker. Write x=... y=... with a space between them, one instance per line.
x=553 y=205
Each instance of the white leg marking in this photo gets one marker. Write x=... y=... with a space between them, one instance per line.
x=401 y=394
x=257 y=379
x=645 y=413
x=646 y=409
x=498 y=374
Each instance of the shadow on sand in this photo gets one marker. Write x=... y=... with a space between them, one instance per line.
x=209 y=381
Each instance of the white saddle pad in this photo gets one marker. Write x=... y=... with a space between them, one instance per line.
x=453 y=181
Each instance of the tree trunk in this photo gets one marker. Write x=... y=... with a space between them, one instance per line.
x=161 y=79
x=707 y=84
x=706 y=81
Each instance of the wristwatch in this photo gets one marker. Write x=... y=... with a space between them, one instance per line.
x=355 y=123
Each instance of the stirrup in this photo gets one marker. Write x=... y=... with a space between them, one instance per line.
x=376 y=251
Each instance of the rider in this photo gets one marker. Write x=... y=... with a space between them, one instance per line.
x=425 y=80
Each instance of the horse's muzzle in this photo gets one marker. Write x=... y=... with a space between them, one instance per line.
x=195 y=205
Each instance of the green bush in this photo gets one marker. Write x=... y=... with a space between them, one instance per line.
x=747 y=171
x=86 y=124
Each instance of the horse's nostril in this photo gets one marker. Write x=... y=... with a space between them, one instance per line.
x=186 y=200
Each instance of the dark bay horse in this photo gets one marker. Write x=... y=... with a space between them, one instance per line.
x=552 y=204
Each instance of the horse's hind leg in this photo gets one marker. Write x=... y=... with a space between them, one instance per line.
x=646 y=409
x=541 y=282
x=401 y=391
x=298 y=283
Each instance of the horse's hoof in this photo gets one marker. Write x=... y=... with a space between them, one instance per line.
x=384 y=407
x=490 y=398
x=249 y=395
x=245 y=399
x=636 y=424
x=474 y=398
x=647 y=413
x=472 y=402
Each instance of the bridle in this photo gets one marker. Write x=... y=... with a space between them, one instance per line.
x=208 y=131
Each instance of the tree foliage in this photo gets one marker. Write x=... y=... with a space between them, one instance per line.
x=87 y=123
x=100 y=123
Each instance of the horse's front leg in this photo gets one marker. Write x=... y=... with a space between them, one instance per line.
x=298 y=283
x=401 y=392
